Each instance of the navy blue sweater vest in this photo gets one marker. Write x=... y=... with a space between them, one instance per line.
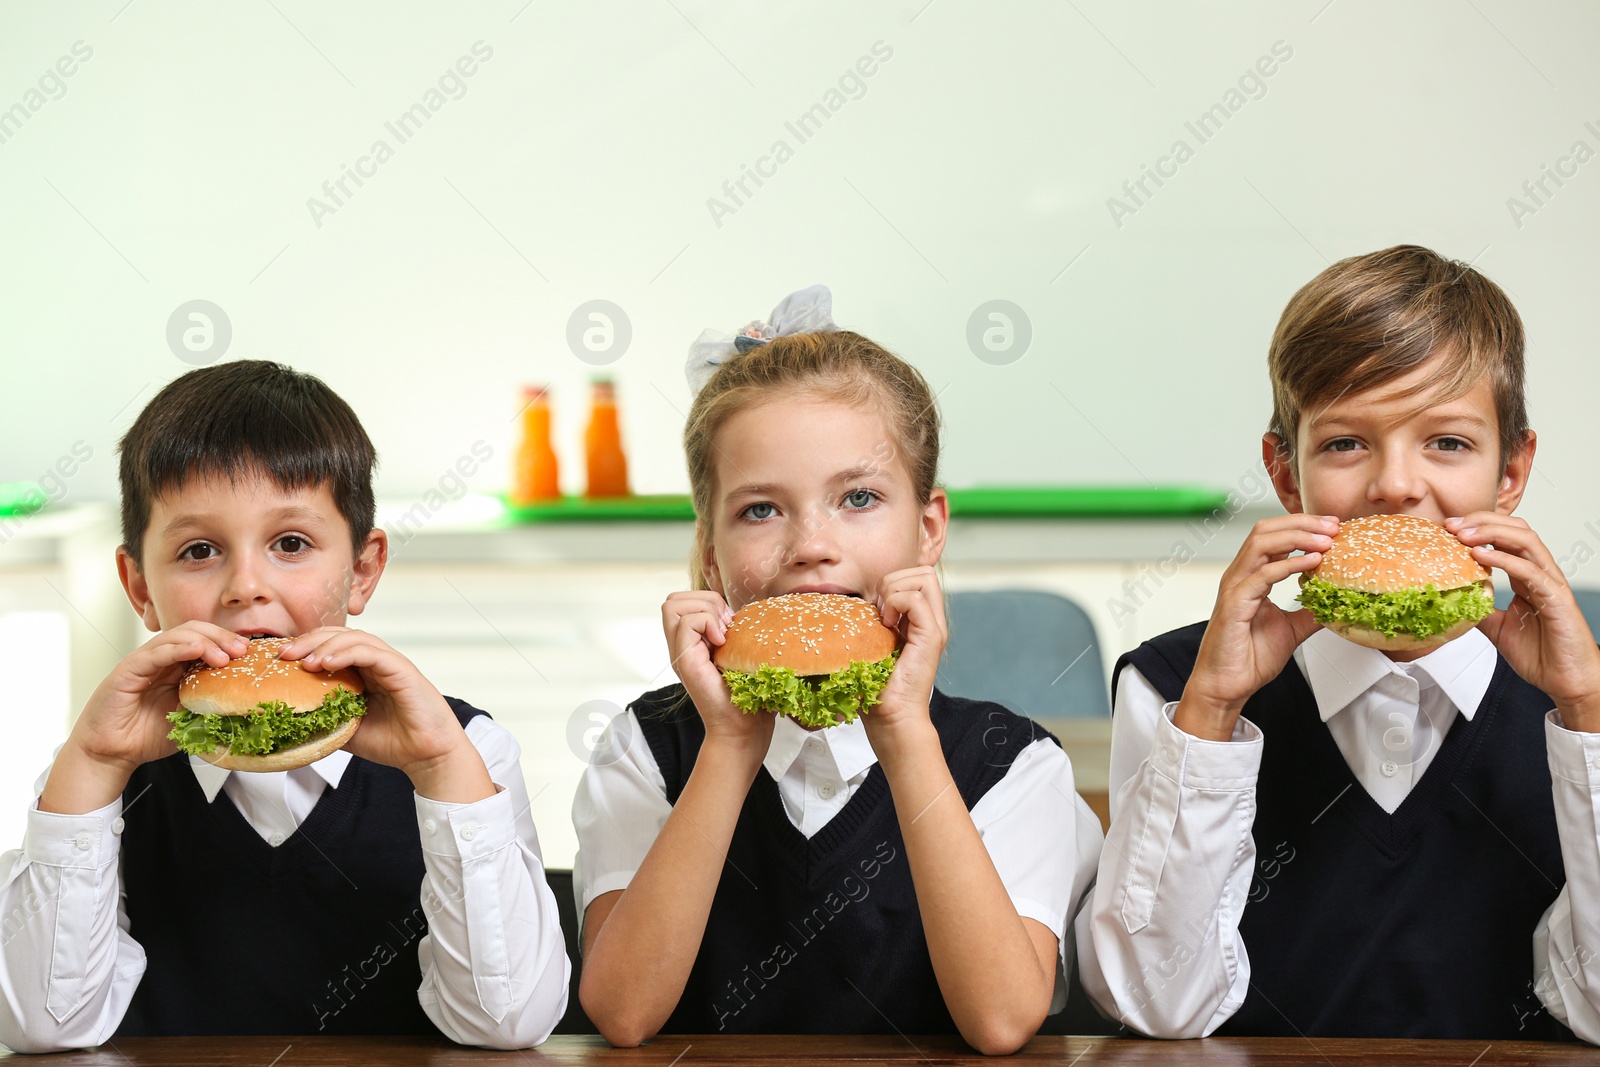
x=318 y=935
x=822 y=935
x=1417 y=924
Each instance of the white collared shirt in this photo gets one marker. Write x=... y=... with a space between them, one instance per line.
x=1389 y=718
x=494 y=962
x=274 y=803
x=1042 y=837
x=1176 y=871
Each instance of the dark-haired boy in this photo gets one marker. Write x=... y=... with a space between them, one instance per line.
x=1310 y=837
x=393 y=887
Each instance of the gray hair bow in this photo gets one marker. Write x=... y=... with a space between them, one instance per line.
x=807 y=311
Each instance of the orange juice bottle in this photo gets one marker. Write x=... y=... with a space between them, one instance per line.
x=537 y=475
x=608 y=467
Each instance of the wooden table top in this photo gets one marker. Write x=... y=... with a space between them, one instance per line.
x=691 y=1051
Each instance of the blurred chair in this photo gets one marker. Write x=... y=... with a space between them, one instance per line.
x=1588 y=601
x=574 y=1021
x=1033 y=651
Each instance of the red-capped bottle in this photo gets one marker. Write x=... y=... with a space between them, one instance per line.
x=537 y=478
x=607 y=465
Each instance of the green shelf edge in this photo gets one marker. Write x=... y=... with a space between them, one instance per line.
x=984 y=502
x=14 y=498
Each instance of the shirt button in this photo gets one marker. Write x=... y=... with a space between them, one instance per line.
x=117 y=825
x=275 y=840
x=429 y=826
x=84 y=841
x=469 y=833
x=825 y=792
x=1389 y=768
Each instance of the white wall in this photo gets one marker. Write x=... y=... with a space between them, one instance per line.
x=978 y=163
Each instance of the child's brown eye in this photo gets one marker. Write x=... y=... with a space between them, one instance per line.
x=291 y=544
x=198 y=552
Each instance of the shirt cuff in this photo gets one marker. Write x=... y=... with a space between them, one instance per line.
x=85 y=842
x=466 y=832
x=1199 y=764
x=1574 y=755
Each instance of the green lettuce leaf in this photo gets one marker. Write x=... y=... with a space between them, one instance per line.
x=1423 y=612
x=262 y=732
x=830 y=701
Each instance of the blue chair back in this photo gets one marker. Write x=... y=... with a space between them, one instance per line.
x=1588 y=601
x=1035 y=652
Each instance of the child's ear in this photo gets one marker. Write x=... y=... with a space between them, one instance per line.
x=367 y=569
x=1514 y=482
x=935 y=527
x=1281 y=471
x=137 y=588
x=708 y=562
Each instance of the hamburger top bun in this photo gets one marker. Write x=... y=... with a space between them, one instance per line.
x=810 y=633
x=260 y=675
x=1388 y=553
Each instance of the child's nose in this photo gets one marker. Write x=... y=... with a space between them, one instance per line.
x=1396 y=485
x=813 y=538
x=244 y=585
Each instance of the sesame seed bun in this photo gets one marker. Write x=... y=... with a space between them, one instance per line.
x=257 y=676
x=1392 y=553
x=1388 y=553
x=810 y=633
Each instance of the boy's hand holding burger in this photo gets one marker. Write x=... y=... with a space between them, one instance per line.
x=1397 y=583
x=1541 y=633
x=124 y=724
x=408 y=724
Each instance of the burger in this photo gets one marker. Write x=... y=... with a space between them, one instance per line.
x=819 y=658
x=1399 y=583
x=262 y=713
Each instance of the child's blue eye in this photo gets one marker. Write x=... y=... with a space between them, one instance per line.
x=861 y=498
x=758 y=512
x=1342 y=444
x=1455 y=444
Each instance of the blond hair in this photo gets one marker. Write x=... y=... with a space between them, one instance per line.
x=834 y=365
x=1370 y=320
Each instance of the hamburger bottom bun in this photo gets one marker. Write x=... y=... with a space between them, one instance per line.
x=1400 y=642
x=1390 y=553
x=809 y=633
x=258 y=676
x=287 y=759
